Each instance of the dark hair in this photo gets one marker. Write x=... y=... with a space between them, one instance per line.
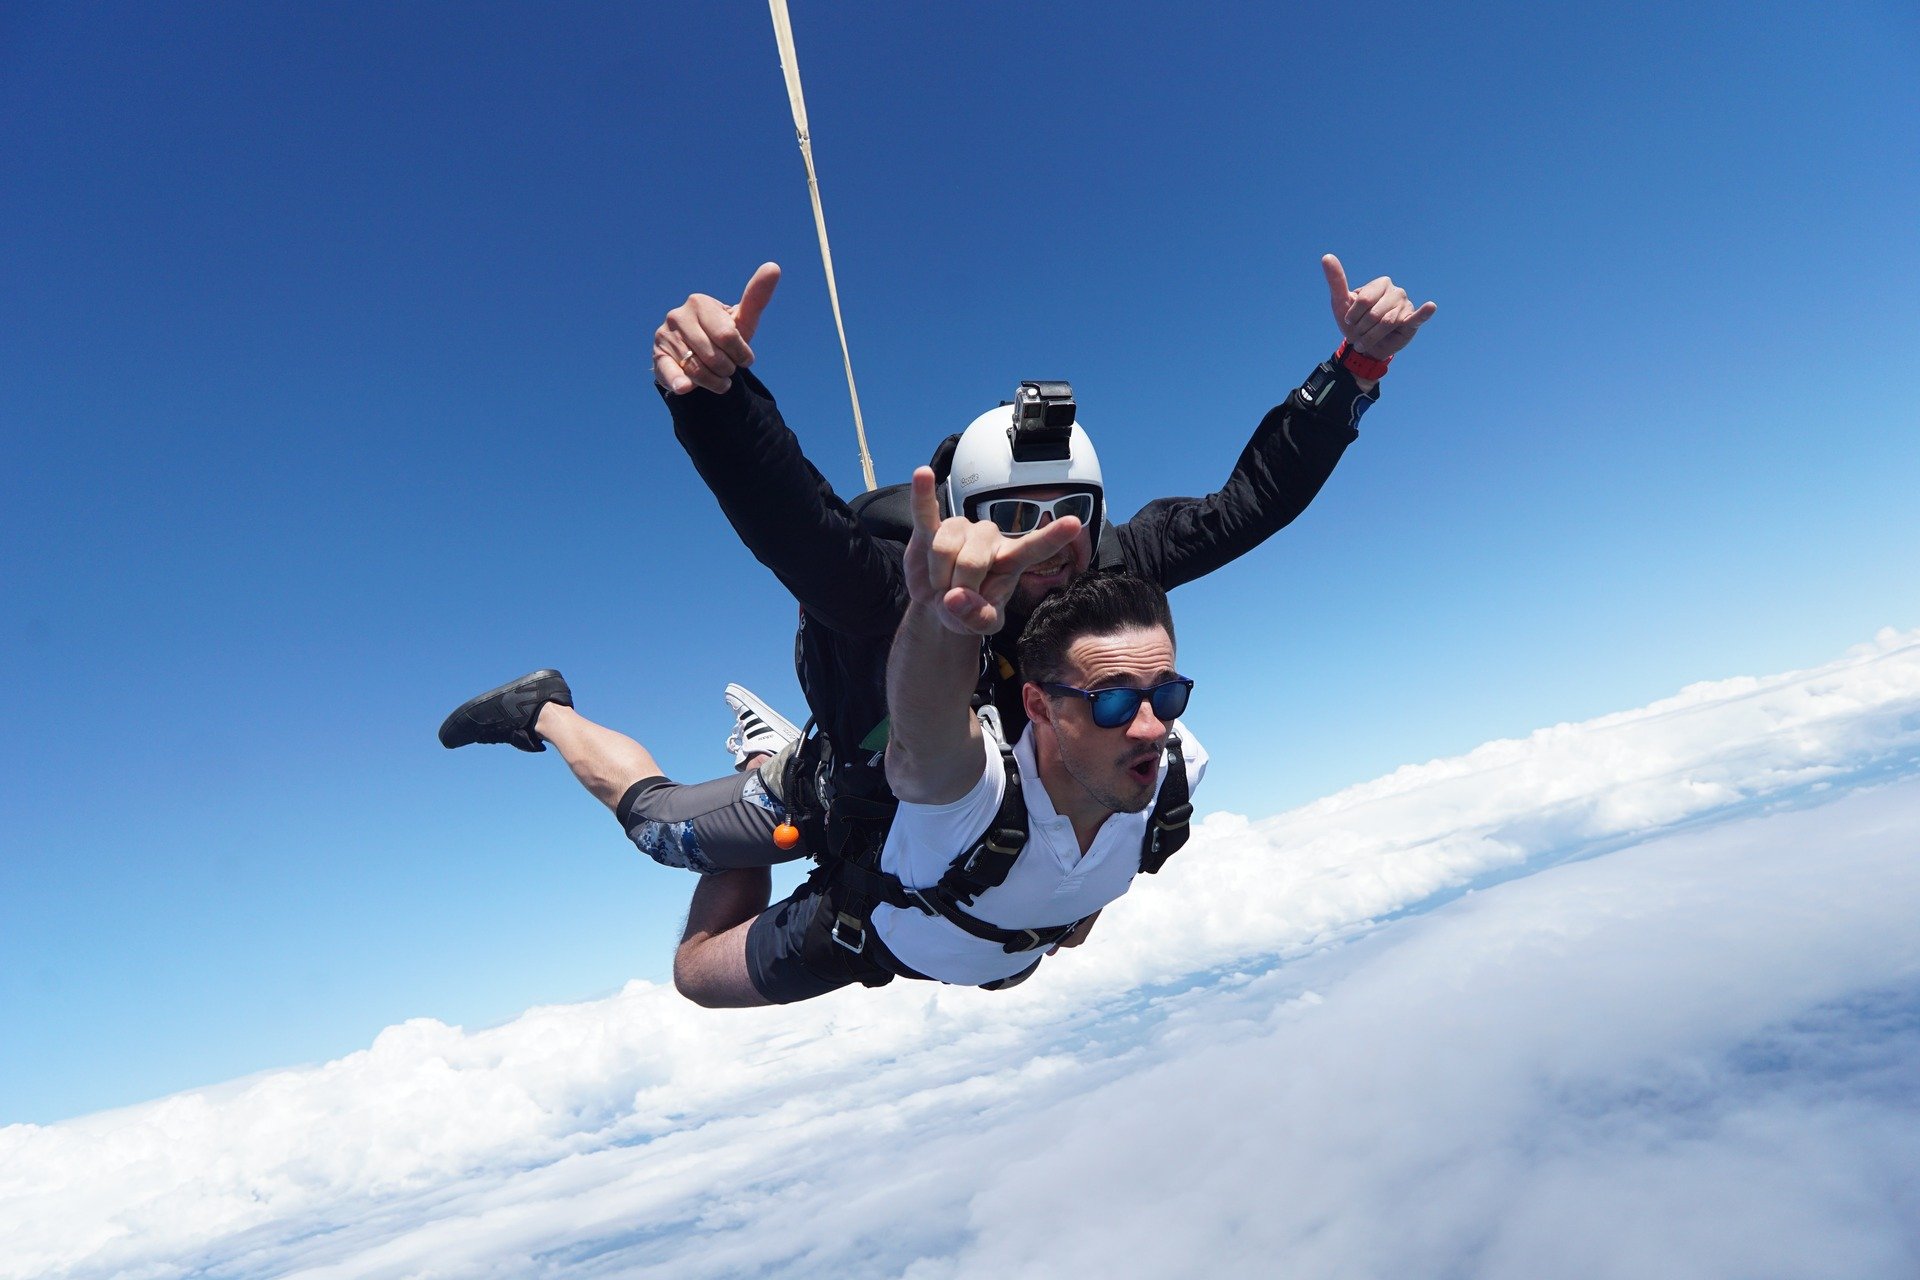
x=1094 y=604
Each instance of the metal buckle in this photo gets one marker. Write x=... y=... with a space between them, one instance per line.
x=1175 y=817
x=1015 y=840
x=919 y=899
x=989 y=844
x=843 y=920
x=1033 y=943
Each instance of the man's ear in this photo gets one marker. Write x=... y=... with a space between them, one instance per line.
x=1034 y=699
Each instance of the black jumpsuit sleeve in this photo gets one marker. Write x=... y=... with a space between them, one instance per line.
x=784 y=510
x=1291 y=454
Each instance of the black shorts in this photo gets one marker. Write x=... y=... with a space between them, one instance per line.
x=791 y=954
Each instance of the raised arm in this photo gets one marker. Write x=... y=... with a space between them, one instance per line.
x=960 y=574
x=1292 y=452
x=782 y=508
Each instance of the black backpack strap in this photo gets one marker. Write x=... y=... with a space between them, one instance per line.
x=1010 y=940
x=857 y=885
x=990 y=861
x=805 y=787
x=857 y=829
x=1167 y=827
x=834 y=945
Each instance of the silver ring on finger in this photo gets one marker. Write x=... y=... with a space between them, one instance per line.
x=690 y=362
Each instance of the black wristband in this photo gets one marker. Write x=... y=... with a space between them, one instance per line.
x=1332 y=391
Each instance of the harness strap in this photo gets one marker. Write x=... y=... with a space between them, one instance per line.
x=1011 y=941
x=1167 y=827
x=859 y=888
x=990 y=861
x=857 y=885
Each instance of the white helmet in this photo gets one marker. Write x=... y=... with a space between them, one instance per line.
x=1031 y=443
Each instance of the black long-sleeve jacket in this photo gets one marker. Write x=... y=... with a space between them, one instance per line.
x=848 y=578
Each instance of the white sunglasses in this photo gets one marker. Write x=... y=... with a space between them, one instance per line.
x=1015 y=516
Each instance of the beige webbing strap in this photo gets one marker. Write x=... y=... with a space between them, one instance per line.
x=790 y=65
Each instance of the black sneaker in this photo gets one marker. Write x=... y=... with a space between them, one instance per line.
x=506 y=714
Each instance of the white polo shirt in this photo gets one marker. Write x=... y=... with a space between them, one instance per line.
x=1051 y=883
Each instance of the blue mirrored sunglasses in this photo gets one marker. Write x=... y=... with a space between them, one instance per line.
x=1015 y=516
x=1115 y=707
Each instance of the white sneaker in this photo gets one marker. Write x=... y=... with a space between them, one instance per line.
x=757 y=727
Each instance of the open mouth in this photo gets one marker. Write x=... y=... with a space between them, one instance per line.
x=1049 y=569
x=1144 y=770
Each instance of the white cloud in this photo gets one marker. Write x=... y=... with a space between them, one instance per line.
x=1694 y=1057
x=1690 y=1052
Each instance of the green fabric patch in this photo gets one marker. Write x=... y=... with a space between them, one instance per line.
x=878 y=738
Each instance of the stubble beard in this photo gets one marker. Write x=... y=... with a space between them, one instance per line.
x=1102 y=790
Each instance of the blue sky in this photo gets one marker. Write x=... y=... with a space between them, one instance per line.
x=324 y=376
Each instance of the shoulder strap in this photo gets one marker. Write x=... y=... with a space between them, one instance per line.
x=1167 y=828
x=990 y=861
x=851 y=871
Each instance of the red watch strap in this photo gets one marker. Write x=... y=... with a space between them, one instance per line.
x=1361 y=366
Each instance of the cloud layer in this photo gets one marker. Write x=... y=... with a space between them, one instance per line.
x=1639 y=996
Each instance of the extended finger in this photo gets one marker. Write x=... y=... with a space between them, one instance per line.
x=1337 y=290
x=754 y=299
x=1406 y=324
x=1014 y=556
x=1042 y=544
x=926 y=503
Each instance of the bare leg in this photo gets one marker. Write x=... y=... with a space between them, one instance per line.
x=710 y=968
x=605 y=761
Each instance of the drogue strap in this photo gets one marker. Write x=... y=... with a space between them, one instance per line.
x=796 y=97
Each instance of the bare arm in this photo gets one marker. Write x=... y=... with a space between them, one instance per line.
x=933 y=752
x=960 y=575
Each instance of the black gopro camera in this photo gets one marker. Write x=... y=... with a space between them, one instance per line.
x=1043 y=415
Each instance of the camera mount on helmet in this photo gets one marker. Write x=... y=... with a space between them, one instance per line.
x=1043 y=414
